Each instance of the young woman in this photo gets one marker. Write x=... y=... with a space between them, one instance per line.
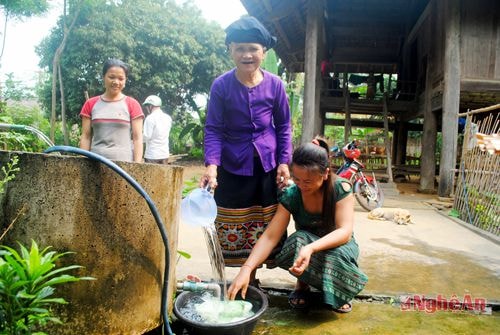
x=108 y=119
x=247 y=142
x=322 y=253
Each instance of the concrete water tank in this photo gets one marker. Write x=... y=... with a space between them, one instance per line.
x=75 y=204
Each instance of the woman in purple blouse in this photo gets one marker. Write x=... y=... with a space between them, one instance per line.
x=247 y=142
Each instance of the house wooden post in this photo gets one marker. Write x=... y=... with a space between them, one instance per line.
x=311 y=121
x=451 y=97
x=347 y=109
x=400 y=142
x=429 y=136
x=387 y=139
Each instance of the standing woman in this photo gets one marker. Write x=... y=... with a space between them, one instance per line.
x=247 y=142
x=109 y=119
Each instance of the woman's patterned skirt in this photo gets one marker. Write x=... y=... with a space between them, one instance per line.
x=245 y=206
x=334 y=272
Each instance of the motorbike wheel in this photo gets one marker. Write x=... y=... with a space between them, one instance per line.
x=368 y=195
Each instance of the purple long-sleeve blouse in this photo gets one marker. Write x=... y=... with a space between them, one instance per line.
x=242 y=121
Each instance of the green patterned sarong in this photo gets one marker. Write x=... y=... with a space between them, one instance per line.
x=335 y=272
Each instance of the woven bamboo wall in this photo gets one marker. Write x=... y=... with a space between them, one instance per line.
x=477 y=195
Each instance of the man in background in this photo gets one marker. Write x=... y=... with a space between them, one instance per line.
x=156 y=131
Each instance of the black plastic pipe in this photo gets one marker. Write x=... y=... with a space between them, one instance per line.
x=152 y=207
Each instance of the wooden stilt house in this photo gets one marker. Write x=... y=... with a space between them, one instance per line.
x=442 y=58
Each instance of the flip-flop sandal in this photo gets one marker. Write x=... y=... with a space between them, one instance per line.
x=297 y=295
x=343 y=310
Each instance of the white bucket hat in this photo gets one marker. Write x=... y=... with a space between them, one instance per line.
x=153 y=100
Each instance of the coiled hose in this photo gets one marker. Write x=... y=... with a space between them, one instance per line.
x=152 y=207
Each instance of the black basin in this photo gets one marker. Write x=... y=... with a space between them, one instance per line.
x=242 y=327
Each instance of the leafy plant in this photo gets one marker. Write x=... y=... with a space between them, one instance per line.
x=194 y=128
x=8 y=173
x=15 y=90
x=294 y=84
x=20 y=140
x=27 y=281
x=196 y=153
x=454 y=213
x=270 y=62
x=176 y=146
x=189 y=185
x=184 y=254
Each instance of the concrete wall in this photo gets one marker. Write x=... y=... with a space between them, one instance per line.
x=75 y=204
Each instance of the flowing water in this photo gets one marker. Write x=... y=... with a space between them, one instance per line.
x=208 y=309
x=216 y=258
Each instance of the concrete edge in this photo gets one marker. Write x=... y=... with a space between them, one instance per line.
x=397 y=299
x=487 y=235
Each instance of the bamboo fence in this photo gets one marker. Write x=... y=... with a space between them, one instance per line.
x=477 y=193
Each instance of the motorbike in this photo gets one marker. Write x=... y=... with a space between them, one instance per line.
x=366 y=190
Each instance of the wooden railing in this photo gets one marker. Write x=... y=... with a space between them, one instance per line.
x=379 y=162
x=371 y=162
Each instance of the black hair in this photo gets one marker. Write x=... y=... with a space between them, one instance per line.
x=114 y=62
x=315 y=157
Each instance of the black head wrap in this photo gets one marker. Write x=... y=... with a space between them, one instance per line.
x=249 y=30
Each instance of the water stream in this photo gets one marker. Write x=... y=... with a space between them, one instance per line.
x=206 y=308
x=216 y=258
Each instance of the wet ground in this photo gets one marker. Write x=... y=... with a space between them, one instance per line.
x=371 y=318
x=368 y=317
x=433 y=257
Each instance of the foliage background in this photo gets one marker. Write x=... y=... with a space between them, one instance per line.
x=171 y=49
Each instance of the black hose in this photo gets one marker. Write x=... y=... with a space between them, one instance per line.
x=152 y=207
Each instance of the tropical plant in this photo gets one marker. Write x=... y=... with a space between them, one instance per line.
x=271 y=62
x=194 y=129
x=8 y=172
x=176 y=146
x=15 y=90
x=27 y=285
x=27 y=280
x=367 y=136
x=184 y=254
x=294 y=90
x=294 y=85
x=18 y=140
x=189 y=185
x=335 y=134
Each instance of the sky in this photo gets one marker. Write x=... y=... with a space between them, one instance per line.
x=19 y=54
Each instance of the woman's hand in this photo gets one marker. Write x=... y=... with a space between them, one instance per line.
x=282 y=175
x=302 y=261
x=240 y=282
x=209 y=178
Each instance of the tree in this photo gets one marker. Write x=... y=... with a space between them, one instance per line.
x=172 y=51
x=19 y=9
x=56 y=74
x=15 y=90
